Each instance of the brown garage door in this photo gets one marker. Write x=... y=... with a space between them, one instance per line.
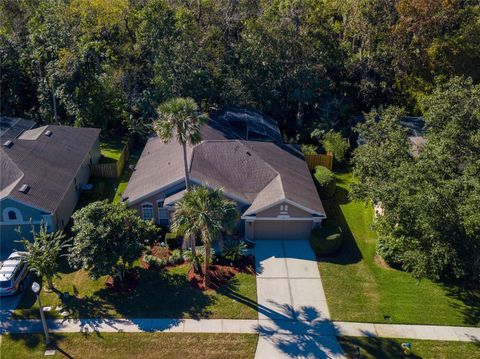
x=282 y=229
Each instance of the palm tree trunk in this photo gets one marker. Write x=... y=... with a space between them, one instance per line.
x=185 y=163
x=194 y=251
x=206 y=269
x=50 y=283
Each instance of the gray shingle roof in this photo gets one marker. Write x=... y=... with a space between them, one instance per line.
x=256 y=173
x=48 y=163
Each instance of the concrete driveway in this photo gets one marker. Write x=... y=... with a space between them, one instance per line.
x=293 y=312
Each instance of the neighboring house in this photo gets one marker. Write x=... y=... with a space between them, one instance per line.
x=416 y=130
x=269 y=181
x=42 y=173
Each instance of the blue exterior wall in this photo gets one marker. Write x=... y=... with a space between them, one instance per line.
x=8 y=233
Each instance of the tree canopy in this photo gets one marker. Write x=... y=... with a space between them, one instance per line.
x=309 y=64
x=431 y=201
x=108 y=238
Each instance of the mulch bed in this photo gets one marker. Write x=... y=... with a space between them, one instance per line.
x=131 y=281
x=219 y=275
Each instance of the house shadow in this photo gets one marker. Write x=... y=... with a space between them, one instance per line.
x=349 y=252
x=299 y=333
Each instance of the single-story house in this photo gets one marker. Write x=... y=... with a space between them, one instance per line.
x=269 y=181
x=42 y=173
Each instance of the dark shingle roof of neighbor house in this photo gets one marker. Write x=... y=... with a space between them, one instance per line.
x=256 y=173
x=11 y=127
x=47 y=164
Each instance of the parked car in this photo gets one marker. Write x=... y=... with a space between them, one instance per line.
x=13 y=273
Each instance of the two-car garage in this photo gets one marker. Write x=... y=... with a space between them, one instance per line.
x=281 y=229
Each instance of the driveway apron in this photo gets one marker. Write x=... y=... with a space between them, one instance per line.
x=293 y=312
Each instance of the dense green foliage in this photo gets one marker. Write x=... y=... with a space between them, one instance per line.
x=326 y=240
x=326 y=181
x=334 y=142
x=108 y=239
x=431 y=201
x=43 y=253
x=309 y=64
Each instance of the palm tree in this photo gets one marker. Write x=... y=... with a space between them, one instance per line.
x=207 y=212
x=180 y=118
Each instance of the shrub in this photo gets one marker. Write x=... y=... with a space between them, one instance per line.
x=309 y=149
x=150 y=260
x=326 y=181
x=173 y=241
x=176 y=256
x=326 y=240
x=234 y=250
x=334 y=142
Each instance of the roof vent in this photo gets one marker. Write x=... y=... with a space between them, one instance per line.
x=8 y=143
x=248 y=153
x=25 y=188
x=48 y=133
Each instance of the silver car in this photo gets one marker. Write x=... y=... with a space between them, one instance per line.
x=13 y=273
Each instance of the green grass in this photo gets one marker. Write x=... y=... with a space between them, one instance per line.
x=375 y=348
x=111 y=149
x=164 y=294
x=132 y=345
x=359 y=287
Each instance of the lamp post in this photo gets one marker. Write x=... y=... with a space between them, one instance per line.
x=36 y=290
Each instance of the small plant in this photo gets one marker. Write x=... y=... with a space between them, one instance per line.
x=326 y=181
x=309 y=149
x=233 y=250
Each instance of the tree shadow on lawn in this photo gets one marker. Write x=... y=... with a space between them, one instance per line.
x=37 y=341
x=349 y=251
x=375 y=347
x=470 y=298
x=230 y=290
x=161 y=294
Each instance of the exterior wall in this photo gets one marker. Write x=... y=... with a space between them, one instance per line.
x=292 y=211
x=8 y=234
x=67 y=206
x=155 y=197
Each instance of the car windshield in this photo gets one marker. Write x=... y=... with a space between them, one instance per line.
x=5 y=283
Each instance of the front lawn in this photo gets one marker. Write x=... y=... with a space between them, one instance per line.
x=132 y=345
x=373 y=348
x=360 y=287
x=163 y=294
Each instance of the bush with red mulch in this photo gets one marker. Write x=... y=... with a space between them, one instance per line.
x=219 y=275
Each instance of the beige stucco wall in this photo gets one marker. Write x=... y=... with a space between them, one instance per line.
x=67 y=206
x=275 y=211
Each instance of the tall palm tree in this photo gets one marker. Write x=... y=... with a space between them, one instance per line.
x=180 y=118
x=207 y=212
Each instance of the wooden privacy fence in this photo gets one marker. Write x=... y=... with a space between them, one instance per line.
x=114 y=169
x=319 y=160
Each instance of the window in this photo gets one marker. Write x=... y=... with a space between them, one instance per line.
x=284 y=209
x=12 y=214
x=147 y=211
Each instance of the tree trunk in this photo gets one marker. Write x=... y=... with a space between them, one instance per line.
x=50 y=286
x=185 y=163
x=194 y=252
x=206 y=269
